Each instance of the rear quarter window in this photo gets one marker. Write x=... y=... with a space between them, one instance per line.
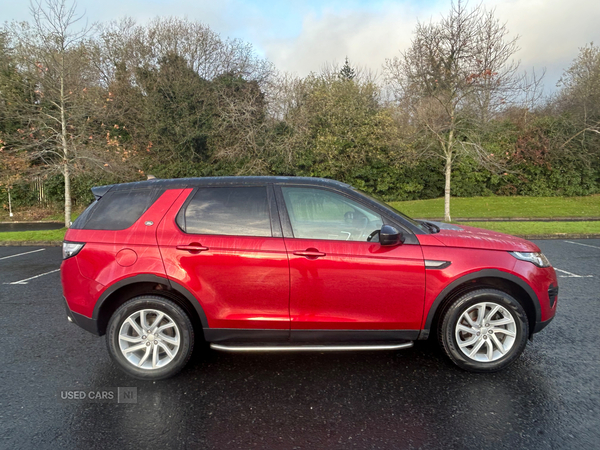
x=117 y=210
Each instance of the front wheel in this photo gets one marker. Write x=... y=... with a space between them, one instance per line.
x=150 y=337
x=484 y=330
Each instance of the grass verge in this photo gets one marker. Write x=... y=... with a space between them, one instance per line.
x=46 y=235
x=503 y=207
x=531 y=228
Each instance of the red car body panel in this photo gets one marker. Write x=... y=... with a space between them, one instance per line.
x=470 y=260
x=241 y=282
x=463 y=262
x=471 y=237
x=81 y=292
x=102 y=260
x=540 y=280
x=356 y=285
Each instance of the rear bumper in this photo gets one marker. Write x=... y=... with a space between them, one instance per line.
x=84 y=322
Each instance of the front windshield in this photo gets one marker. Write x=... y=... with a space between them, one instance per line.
x=404 y=216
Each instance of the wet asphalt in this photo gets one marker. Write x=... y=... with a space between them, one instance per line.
x=550 y=398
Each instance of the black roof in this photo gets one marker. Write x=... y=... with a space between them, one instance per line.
x=178 y=183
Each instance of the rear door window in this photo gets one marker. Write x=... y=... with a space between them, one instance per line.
x=233 y=211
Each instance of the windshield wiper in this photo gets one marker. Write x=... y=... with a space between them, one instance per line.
x=430 y=226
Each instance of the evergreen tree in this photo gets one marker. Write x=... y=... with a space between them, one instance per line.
x=347 y=72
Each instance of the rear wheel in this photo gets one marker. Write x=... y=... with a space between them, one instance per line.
x=484 y=330
x=150 y=337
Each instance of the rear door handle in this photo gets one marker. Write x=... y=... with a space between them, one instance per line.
x=192 y=248
x=310 y=253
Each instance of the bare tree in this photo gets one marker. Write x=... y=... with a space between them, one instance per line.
x=456 y=75
x=205 y=51
x=52 y=55
x=580 y=90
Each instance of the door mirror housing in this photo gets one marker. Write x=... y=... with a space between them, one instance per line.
x=389 y=236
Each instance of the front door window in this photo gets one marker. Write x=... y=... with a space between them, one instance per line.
x=320 y=214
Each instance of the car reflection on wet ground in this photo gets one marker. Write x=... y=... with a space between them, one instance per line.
x=550 y=398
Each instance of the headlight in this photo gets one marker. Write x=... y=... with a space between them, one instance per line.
x=71 y=249
x=535 y=258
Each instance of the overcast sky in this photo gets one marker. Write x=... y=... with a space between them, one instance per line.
x=301 y=36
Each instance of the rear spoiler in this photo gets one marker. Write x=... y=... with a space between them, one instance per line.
x=99 y=191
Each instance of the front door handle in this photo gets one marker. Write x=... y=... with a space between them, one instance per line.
x=192 y=247
x=310 y=253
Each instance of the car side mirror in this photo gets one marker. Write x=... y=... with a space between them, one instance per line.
x=389 y=236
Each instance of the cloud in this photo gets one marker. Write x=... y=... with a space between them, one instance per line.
x=366 y=37
x=551 y=31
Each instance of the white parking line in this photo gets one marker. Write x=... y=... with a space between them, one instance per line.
x=585 y=245
x=26 y=253
x=32 y=278
x=572 y=275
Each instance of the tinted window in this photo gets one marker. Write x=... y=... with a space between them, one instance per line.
x=117 y=210
x=235 y=211
x=80 y=222
x=321 y=214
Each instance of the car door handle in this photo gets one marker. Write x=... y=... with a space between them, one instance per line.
x=310 y=253
x=192 y=248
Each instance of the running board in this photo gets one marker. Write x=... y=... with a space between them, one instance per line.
x=234 y=348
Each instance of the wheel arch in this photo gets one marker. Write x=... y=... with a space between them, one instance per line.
x=487 y=278
x=147 y=284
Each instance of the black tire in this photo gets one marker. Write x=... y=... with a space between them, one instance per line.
x=166 y=365
x=470 y=305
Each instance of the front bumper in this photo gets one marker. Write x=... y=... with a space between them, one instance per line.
x=84 y=322
x=541 y=325
x=552 y=298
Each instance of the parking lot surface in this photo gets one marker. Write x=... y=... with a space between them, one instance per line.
x=416 y=398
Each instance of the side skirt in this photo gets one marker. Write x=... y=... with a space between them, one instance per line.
x=244 y=348
x=302 y=337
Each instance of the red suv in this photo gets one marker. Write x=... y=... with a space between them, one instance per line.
x=293 y=264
